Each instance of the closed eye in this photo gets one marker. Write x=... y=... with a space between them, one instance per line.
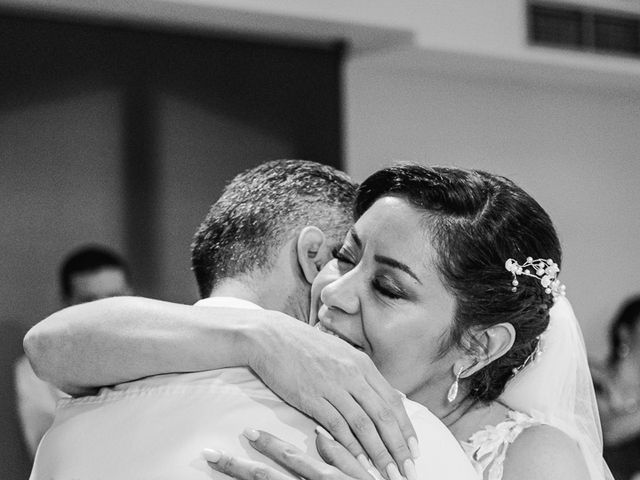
x=389 y=291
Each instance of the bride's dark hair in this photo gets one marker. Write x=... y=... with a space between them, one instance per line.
x=476 y=221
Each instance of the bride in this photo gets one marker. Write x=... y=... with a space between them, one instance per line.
x=453 y=271
x=448 y=281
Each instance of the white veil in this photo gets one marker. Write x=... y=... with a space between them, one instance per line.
x=557 y=388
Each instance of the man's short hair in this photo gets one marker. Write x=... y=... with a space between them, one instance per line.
x=85 y=259
x=261 y=209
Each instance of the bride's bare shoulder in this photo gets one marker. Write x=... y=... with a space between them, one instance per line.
x=544 y=452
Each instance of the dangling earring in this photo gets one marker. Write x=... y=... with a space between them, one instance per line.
x=453 y=389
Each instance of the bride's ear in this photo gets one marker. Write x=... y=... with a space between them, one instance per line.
x=312 y=251
x=494 y=342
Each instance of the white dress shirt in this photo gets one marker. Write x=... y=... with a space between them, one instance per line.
x=36 y=403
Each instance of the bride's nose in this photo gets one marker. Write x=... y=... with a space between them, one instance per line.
x=342 y=293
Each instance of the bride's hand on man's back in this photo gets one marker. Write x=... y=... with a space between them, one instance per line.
x=338 y=386
x=341 y=465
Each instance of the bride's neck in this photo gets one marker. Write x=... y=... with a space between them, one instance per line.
x=472 y=415
x=465 y=415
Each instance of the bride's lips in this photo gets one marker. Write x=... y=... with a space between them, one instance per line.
x=322 y=328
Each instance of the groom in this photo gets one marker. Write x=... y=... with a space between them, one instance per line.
x=261 y=245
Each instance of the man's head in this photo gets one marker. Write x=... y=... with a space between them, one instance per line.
x=91 y=273
x=282 y=217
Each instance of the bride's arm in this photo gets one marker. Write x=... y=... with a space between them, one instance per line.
x=125 y=338
x=119 y=339
x=544 y=453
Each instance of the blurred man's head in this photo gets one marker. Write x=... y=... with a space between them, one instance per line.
x=91 y=273
x=273 y=228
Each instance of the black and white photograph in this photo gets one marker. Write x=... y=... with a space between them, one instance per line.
x=320 y=240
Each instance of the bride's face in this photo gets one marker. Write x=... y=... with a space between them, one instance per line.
x=388 y=299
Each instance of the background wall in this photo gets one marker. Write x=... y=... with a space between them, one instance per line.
x=575 y=149
x=125 y=137
x=45 y=211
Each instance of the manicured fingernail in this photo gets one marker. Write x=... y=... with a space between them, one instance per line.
x=364 y=461
x=393 y=472
x=323 y=432
x=251 y=434
x=414 y=448
x=211 y=455
x=368 y=466
x=410 y=469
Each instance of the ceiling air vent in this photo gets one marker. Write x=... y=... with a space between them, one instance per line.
x=582 y=28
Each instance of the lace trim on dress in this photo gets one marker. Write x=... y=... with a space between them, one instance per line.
x=487 y=448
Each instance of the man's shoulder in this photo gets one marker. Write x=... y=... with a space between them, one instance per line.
x=442 y=455
x=422 y=414
x=220 y=376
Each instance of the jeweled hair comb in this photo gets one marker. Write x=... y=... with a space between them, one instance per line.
x=545 y=271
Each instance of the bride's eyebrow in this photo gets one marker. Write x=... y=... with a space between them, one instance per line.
x=382 y=259
x=396 y=264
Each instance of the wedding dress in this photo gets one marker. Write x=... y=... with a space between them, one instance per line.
x=556 y=389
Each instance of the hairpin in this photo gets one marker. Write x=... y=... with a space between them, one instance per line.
x=532 y=358
x=546 y=271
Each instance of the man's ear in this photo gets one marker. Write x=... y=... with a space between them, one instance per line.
x=494 y=341
x=310 y=248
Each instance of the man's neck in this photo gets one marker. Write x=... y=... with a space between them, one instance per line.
x=267 y=294
x=237 y=289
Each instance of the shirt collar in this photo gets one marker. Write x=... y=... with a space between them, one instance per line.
x=227 y=302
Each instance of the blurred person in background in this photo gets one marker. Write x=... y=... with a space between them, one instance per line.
x=88 y=273
x=618 y=389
